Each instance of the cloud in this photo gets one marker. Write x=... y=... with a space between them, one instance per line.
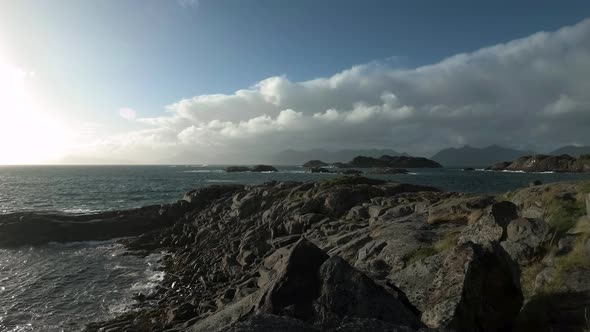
x=127 y=113
x=531 y=92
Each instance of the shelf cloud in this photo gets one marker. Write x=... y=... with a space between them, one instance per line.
x=531 y=92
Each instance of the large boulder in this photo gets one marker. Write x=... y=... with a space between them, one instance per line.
x=346 y=292
x=474 y=290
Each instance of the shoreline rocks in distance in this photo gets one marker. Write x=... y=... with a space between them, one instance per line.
x=545 y=163
x=383 y=165
x=257 y=168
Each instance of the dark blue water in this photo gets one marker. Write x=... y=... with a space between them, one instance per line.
x=60 y=287
x=96 y=188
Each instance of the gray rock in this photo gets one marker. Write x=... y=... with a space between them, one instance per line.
x=270 y=323
x=474 y=290
x=525 y=238
x=346 y=292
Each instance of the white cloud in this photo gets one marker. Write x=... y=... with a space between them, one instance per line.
x=529 y=92
x=127 y=113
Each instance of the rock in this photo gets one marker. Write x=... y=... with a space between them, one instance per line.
x=468 y=169
x=535 y=183
x=315 y=163
x=351 y=172
x=389 y=170
x=201 y=197
x=263 y=168
x=319 y=170
x=237 y=169
x=29 y=228
x=270 y=323
x=296 y=284
x=491 y=227
x=394 y=162
x=466 y=209
x=525 y=239
x=555 y=312
x=545 y=163
x=345 y=292
x=474 y=290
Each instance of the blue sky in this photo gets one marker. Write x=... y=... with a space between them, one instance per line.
x=92 y=58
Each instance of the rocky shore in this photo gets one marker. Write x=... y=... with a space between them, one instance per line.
x=354 y=254
x=545 y=163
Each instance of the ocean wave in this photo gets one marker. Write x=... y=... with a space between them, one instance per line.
x=204 y=171
x=211 y=180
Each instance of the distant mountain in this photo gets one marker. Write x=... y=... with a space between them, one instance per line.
x=470 y=156
x=294 y=157
x=572 y=150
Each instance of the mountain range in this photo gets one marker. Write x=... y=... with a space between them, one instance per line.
x=572 y=150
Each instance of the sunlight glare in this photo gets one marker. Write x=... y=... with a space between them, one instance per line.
x=28 y=133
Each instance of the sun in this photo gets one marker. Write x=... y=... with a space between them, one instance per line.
x=28 y=132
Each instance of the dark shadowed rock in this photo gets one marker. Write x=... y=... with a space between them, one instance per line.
x=270 y=323
x=351 y=172
x=319 y=170
x=389 y=170
x=346 y=292
x=393 y=162
x=491 y=226
x=315 y=163
x=525 y=239
x=296 y=284
x=38 y=228
x=546 y=163
x=201 y=197
x=474 y=290
x=263 y=168
x=237 y=169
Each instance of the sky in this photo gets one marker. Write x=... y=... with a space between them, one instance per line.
x=236 y=81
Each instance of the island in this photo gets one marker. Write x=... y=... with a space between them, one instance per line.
x=545 y=163
x=257 y=168
x=384 y=162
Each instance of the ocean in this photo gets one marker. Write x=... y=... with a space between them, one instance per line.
x=61 y=287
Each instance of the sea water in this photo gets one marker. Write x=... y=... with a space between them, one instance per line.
x=61 y=287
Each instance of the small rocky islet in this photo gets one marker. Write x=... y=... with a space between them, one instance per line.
x=382 y=165
x=348 y=254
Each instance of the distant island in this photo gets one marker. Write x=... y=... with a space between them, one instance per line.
x=545 y=163
x=472 y=156
x=296 y=157
x=383 y=162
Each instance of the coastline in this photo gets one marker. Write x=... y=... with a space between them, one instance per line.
x=229 y=247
